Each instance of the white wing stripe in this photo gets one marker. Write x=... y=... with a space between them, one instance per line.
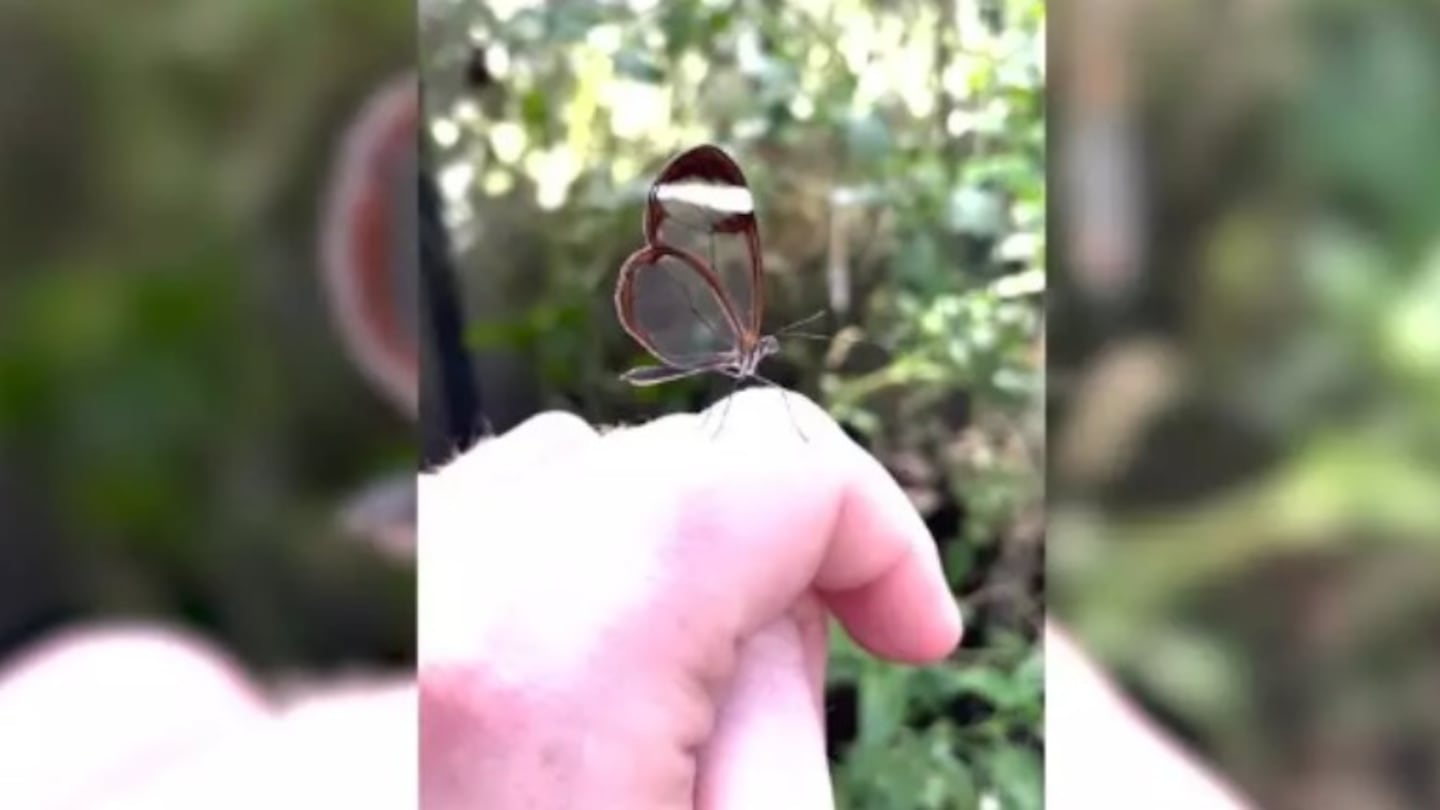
x=726 y=199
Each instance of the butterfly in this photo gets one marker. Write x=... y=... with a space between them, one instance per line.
x=694 y=295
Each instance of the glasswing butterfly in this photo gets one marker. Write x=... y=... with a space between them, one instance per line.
x=694 y=295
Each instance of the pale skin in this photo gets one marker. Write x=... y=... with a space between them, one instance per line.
x=630 y=620
x=703 y=615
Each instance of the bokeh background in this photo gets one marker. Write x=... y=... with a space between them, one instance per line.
x=179 y=421
x=897 y=154
x=1244 y=382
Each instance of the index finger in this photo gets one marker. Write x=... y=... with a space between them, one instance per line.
x=765 y=516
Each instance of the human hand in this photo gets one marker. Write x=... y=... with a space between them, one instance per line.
x=653 y=637
x=638 y=619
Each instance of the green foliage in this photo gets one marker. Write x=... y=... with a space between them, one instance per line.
x=910 y=754
x=897 y=154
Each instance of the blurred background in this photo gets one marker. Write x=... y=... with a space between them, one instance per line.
x=1244 y=382
x=180 y=423
x=896 y=151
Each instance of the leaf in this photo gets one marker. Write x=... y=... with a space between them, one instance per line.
x=915 y=770
x=959 y=559
x=883 y=701
x=680 y=24
x=975 y=210
x=868 y=137
x=996 y=686
x=1016 y=775
x=535 y=112
x=640 y=66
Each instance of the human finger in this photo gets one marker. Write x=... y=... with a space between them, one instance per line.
x=781 y=502
x=767 y=748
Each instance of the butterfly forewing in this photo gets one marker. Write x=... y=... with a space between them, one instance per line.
x=671 y=305
x=702 y=205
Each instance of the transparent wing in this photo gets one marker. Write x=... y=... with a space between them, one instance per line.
x=732 y=259
x=671 y=305
x=702 y=205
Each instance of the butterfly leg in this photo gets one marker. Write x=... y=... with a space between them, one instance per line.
x=725 y=409
x=785 y=398
x=705 y=417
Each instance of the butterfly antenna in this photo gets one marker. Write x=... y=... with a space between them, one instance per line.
x=789 y=329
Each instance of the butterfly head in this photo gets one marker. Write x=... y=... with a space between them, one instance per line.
x=763 y=348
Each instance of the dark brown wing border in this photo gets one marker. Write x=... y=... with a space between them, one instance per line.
x=648 y=256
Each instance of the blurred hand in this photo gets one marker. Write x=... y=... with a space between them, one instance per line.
x=1100 y=751
x=128 y=717
x=638 y=620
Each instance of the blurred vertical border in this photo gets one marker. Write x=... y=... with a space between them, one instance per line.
x=1244 y=382
x=179 y=418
